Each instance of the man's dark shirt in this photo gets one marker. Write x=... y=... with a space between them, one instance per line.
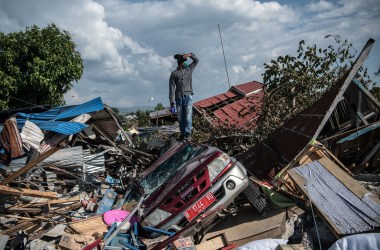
x=180 y=82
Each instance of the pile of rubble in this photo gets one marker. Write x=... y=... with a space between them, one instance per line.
x=58 y=167
x=67 y=175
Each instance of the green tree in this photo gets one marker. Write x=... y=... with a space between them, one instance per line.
x=294 y=82
x=143 y=118
x=37 y=66
x=159 y=107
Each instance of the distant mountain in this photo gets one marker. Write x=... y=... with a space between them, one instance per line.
x=134 y=109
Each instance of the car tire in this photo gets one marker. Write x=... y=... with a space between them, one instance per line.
x=255 y=198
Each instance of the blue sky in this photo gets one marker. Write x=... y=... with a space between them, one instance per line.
x=128 y=46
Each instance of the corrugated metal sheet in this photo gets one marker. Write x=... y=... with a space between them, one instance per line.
x=31 y=135
x=65 y=128
x=65 y=158
x=267 y=158
x=109 y=125
x=47 y=115
x=49 y=120
x=160 y=113
x=16 y=164
x=94 y=163
x=238 y=107
x=85 y=108
x=58 y=138
x=60 y=113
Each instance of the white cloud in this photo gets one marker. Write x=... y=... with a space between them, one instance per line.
x=128 y=46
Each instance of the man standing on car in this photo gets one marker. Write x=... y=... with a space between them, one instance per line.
x=181 y=91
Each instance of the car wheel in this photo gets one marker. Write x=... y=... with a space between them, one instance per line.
x=255 y=198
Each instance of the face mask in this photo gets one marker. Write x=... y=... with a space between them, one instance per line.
x=185 y=64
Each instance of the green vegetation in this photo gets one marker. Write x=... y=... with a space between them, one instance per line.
x=294 y=82
x=37 y=66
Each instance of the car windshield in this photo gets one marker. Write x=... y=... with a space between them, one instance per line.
x=169 y=167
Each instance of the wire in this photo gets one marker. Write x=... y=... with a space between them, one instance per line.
x=316 y=227
x=225 y=64
x=30 y=103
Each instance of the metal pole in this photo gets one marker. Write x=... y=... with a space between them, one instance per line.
x=225 y=64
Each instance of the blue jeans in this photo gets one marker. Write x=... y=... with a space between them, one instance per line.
x=184 y=107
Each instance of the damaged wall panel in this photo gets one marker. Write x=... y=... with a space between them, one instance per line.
x=345 y=205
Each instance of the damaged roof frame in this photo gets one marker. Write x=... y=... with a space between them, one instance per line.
x=345 y=106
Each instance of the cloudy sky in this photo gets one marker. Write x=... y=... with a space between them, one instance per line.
x=128 y=45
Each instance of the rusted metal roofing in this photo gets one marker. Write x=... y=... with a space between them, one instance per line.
x=107 y=123
x=238 y=107
x=10 y=139
x=327 y=116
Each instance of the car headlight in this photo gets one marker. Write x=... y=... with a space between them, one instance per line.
x=217 y=165
x=156 y=217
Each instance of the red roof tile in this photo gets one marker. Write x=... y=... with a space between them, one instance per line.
x=247 y=88
x=238 y=106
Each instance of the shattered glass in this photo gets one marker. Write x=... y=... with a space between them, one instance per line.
x=169 y=167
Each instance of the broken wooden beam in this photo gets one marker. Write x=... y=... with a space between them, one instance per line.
x=17 y=209
x=30 y=165
x=18 y=227
x=27 y=192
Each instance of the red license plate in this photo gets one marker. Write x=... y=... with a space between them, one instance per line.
x=200 y=206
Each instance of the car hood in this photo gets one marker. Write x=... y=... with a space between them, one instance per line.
x=181 y=176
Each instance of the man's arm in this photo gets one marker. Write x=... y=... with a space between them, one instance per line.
x=194 y=58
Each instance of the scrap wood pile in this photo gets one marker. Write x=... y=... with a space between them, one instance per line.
x=59 y=166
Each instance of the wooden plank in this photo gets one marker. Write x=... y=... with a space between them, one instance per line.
x=58 y=201
x=18 y=227
x=248 y=225
x=30 y=165
x=67 y=208
x=353 y=185
x=24 y=210
x=27 y=192
x=214 y=243
x=348 y=78
x=89 y=225
x=16 y=217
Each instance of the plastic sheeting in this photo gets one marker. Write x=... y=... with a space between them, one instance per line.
x=358 y=242
x=343 y=208
x=264 y=244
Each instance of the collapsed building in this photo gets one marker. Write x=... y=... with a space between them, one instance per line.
x=65 y=171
